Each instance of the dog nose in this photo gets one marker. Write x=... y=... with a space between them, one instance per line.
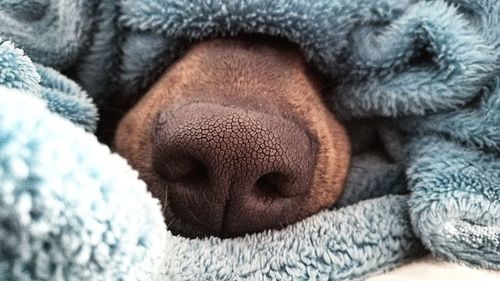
x=230 y=171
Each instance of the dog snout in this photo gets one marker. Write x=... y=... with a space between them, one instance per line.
x=230 y=171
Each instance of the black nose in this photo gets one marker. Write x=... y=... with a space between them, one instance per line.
x=230 y=171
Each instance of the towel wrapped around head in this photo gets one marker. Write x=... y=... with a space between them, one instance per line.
x=420 y=77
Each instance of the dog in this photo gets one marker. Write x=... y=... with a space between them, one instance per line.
x=235 y=138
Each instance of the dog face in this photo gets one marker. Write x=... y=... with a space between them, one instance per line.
x=234 y=138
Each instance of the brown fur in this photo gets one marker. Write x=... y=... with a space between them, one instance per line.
x=270 y=77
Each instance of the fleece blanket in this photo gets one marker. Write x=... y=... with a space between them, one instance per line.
x=419 y=78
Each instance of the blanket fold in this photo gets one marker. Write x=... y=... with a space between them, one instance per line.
x=417 y=83
x=63 y=216
x=455 y=200
x=54 y=32
x=343 y=245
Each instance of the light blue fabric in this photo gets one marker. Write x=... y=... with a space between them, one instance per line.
x=63 y=214
x=61 y=95
x=420 y=77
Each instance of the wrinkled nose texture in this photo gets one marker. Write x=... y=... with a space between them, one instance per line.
x=230 y=171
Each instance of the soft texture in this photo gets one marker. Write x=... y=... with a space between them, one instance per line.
x=63 y=214
x=55 y=32
x=422 y=76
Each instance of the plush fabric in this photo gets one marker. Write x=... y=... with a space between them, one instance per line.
x=64 y=211
x=55 y=32
x=419 y=77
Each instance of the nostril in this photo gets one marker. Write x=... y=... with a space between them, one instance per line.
x=271 y=185
x=184 y=170
x=196 y=176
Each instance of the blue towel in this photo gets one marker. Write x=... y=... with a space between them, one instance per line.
x=422 y=76
x=63 y=215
